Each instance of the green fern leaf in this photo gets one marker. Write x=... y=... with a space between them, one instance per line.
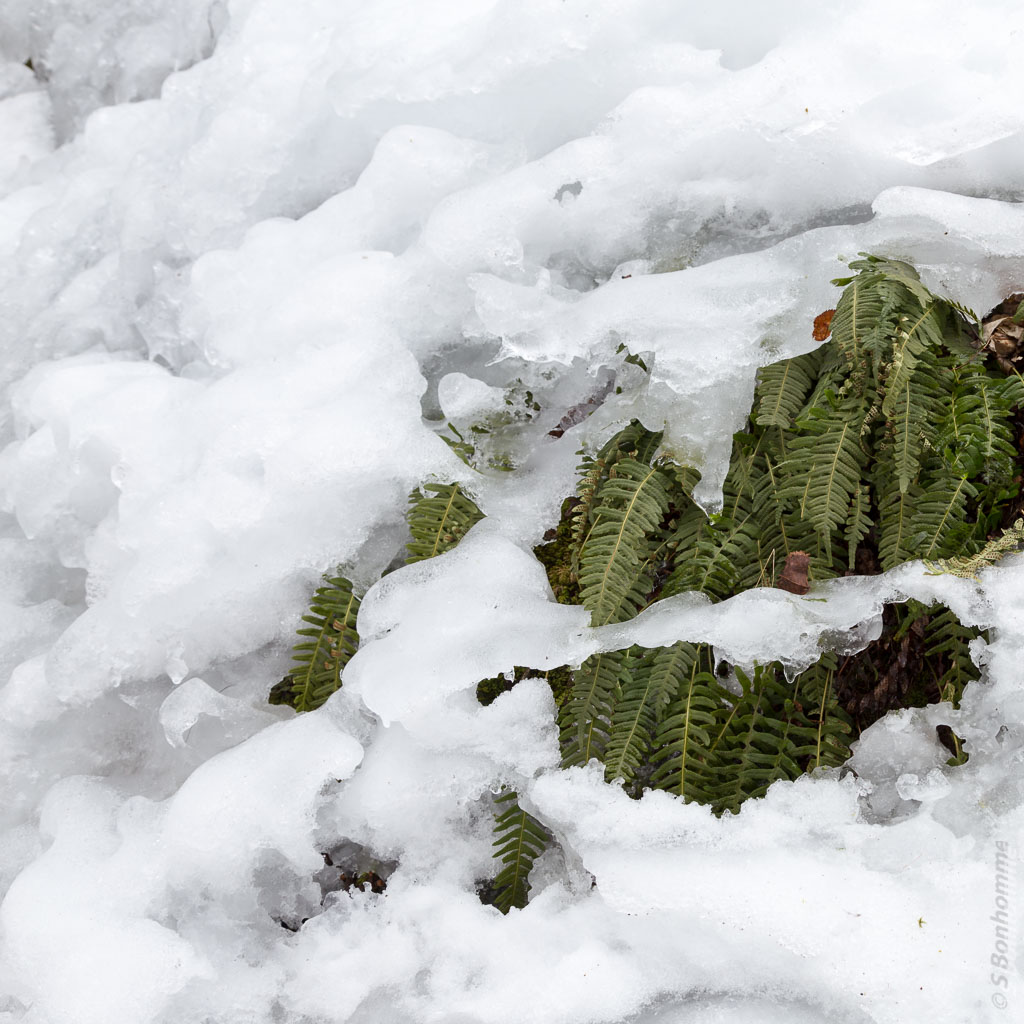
x=913 y=335
x=936 y=517
x=585 y=721
x=814 y=689
x=858 y=522
x=948 y=640
x=783 y=387
x=631 y=506
x=439 y=517
x=826 y=465
x=683 y=763
x=858 y=317
x=520 y=840
x=968 y=566
x=644 y=694
x=765 y=737
x=331 y=640
x=896 y=510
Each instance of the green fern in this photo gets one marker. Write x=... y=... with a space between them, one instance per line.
x=826 y=466
x=632 y=504
x=858 y=318
x=765 y=736
x=520 y=840
x=968 y=567
x=645 y=692
x=331 y=640
x=439 y=516
x=842 y=452
x=893 y=441
x=683 y=758
x=948 y=647
x=783 y=388
x=587 y=716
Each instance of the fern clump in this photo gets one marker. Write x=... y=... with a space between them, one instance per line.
x=895 y=440
x=898 y=439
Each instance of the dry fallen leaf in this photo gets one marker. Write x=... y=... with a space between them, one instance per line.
x=794 y=577
x=823 y=324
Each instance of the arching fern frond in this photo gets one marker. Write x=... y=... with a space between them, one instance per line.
x=766 y=736
x=585 y=721
x=984 y=407
x=895 y=533
x=439 y=517
x=683 y=761
x=938 y=512
x=815 y=690
x=783 y=388
x=948 y=644
x=724 y=560
x=826 y=466
x=915 y=332
x=331 y=640
x=630 y=507
x=968 y=566
x=519 y=840
x=858 y=317
x=644 y=694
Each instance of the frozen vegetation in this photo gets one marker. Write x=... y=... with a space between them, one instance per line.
x=253 y=255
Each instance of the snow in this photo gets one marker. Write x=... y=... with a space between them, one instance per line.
x=251 y=252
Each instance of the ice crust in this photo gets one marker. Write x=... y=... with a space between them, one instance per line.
x=250 y=252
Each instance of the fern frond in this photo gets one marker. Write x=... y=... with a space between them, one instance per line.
x=984 y=408
x=910 y=417
x=725 y=561
x=816 y=691
x=896 y=510
x=585 y=720
x=439 y=517
x=644 y=694
x=858 y=316
x=765 y=737
x=591 y=472
x=519 y=840
x=783 y=387
x=826 y=465
x=968 y=566
x=684 y=738
x=858 y=522
x=914 y=333
x=937 y=514
x=331 y=640
x=948 y=642
x=630 y=507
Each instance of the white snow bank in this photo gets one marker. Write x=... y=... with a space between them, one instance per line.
x=244 y=248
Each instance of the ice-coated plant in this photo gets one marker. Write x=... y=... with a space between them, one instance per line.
x=897 y=439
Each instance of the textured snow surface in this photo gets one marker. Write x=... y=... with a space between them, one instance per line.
x=251 y=253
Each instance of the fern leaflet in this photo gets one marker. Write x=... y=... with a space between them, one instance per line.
x=321 y=658
x=520 y=840
x=439 y=516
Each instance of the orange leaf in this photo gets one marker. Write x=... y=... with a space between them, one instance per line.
x=823 y=324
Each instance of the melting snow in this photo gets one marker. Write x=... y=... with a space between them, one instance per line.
x=249 y=251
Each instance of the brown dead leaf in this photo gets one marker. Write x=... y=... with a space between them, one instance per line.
x=823 y=324
x=794 y=577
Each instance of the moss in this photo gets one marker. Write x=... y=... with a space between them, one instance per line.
x=556 y=555
x=559 y=679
